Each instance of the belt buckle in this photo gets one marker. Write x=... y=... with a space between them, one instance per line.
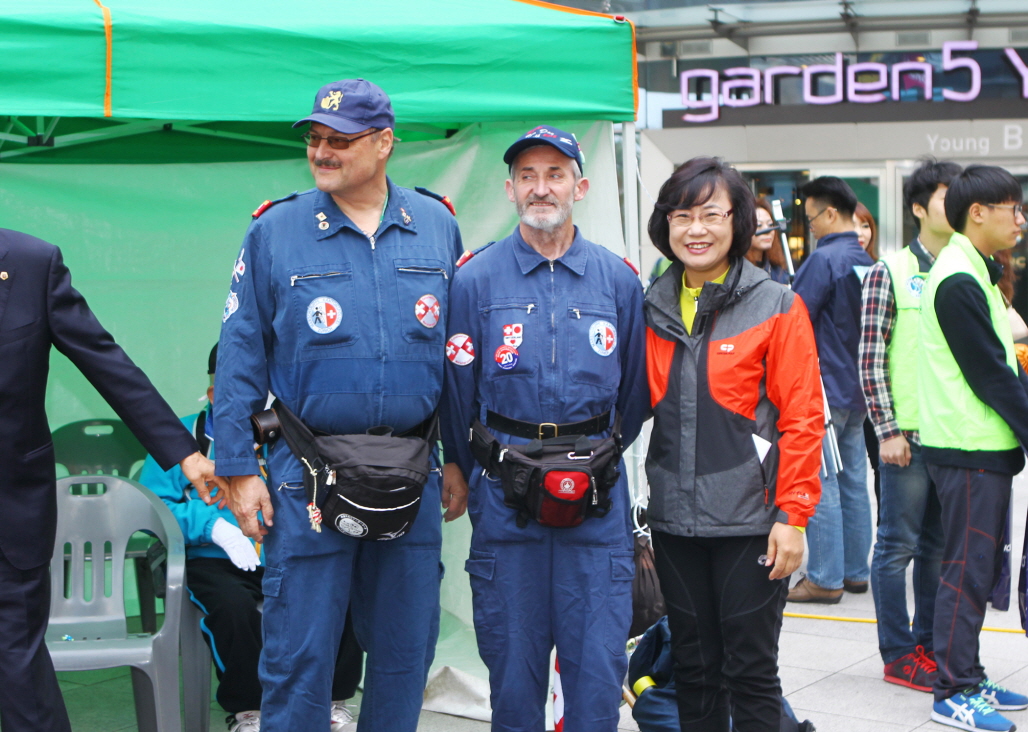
x=544 y=425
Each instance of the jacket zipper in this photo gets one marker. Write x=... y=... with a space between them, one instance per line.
x=424 y=270
x=294 y=278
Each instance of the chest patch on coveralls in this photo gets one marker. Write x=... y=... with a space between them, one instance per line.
x=603 y=337
x=426 y=310
x=324 y=315
x=460 y=350
x=506 y=357
x=513 y=334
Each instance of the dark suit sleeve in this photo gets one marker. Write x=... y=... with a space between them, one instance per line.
x=77 y=334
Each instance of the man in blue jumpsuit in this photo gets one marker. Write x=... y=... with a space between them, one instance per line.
x=338 y=306
x=547 y=327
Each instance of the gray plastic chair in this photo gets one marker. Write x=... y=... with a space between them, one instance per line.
x=97 y=625
x=196 y=671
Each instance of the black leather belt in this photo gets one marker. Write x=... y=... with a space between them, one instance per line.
x=533 y=431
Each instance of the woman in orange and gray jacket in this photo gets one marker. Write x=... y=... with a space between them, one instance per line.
x=735 y=452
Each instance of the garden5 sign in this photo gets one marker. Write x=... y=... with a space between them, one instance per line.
x=864 y=82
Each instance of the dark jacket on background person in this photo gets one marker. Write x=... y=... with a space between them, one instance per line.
x=38 y=309
x=746 y=376
x=829 y=283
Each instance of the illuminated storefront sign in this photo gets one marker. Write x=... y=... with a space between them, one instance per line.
x=865 y=82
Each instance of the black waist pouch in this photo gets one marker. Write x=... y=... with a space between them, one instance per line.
x=558 y=481
x=368 y=486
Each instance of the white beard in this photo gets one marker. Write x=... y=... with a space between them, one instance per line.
x=548 y=221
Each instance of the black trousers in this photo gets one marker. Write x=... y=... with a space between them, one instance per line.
x=30 y=699
x=974 y=513
x=725 y=617
x=232 y=628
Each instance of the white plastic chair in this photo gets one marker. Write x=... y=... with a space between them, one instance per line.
x=97 y=625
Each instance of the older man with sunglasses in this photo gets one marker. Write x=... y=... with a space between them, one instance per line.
x=338 y=305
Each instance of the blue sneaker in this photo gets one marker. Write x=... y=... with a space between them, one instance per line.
x=1000 y=697
x=970 y=712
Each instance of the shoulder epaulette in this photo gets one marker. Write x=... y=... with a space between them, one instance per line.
x=445 y=200
x=631 y=266
x=268 y=204
x=466 y=256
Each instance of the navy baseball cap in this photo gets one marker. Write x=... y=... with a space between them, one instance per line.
x=351 y=105
x=544 y=135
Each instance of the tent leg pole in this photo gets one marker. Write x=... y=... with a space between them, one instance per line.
x=633 y=249
x=629 y=163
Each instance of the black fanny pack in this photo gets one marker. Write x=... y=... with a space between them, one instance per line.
x=368 y=486
x=557 y=481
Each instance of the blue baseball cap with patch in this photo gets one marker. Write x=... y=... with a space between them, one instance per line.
x=350 y=106
x=566 y=142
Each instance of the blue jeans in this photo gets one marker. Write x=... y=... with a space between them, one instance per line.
x=844 y=511
x=909 y=528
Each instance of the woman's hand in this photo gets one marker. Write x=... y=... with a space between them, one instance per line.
x=784 y=550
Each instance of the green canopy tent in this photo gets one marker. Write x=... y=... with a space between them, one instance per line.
x=139 y=135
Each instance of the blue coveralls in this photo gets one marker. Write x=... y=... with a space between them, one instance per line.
x=349 y=331
x=536 y=587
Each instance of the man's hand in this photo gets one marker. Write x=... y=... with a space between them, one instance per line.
x=200 y=472
x=248 y=496
x=895 y=450
x=455 y=492
x=784 y=550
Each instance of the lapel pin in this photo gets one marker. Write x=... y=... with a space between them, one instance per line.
x=3 y=275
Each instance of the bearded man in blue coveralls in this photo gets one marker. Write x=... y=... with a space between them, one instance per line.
x=338 y=306
x=523 y=351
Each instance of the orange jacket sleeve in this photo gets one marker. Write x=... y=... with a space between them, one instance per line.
x=794 y=386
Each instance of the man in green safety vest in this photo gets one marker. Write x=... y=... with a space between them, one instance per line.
x=973 y=419
x=909 y=520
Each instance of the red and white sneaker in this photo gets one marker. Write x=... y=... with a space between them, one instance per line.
x=915 y=670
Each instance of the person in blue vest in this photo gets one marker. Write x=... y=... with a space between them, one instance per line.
x=546 y=339
x=223 y=577
x=338 y=305
x=829 y=284
x=909 y=520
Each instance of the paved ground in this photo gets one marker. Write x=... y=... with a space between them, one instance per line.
x=830 y=669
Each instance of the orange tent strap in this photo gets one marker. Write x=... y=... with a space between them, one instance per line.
x=578 y=11
x=108 y=35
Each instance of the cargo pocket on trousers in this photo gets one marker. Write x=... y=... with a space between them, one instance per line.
x=489 y=608
x=619 y=601
x=275 y=626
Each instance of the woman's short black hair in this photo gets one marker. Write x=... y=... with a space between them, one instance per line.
x=694 y=183
x=979 y=184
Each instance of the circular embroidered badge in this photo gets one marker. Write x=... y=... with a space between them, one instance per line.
x=460 y=350
x=351 y=525
x=915 y=283
x=506 y=357
x=324 y=315
x=603 y=337
x=426 y=310
x=231 y=305
x=567 y=486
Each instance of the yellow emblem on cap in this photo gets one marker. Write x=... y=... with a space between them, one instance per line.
x=332 y=101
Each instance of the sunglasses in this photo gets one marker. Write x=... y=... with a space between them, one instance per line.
x=334 y=142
